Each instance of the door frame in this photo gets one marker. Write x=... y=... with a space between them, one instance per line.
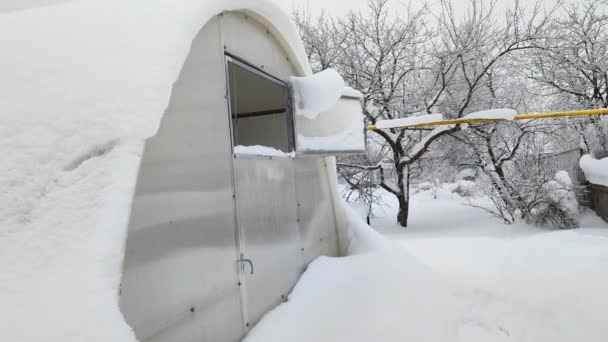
x=290 y=121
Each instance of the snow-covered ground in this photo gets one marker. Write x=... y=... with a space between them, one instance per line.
x=378 y=292
x=513 y=283
x=456 y=274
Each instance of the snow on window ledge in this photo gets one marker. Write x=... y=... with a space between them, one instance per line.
x=258 y=150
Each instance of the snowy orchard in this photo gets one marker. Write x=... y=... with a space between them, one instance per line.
x=429 y=61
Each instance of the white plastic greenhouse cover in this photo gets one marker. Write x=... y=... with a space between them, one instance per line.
x=84 y=83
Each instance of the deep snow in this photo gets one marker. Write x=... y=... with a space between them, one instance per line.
x=514 y=283
x=379 y=292
x=482 y=281
x=84 y=83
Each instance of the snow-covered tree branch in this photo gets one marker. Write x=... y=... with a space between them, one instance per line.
x=419 y=63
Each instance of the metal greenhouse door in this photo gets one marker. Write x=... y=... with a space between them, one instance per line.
x=265 y=189
x=271 y=256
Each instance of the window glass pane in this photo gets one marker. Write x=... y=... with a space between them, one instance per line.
x=258 y=104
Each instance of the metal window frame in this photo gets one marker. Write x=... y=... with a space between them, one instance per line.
x=289 y=120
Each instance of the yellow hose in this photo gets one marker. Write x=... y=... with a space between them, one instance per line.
x=602 y=111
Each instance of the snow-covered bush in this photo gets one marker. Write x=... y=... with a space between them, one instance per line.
x=465 y=188
x=558 y=204
x=424 y=186
x=467 y=174
x=496 y=203
x=517 y=164
x=531 y=190
x=434 y=171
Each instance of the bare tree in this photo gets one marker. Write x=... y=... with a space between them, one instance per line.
x=421 y=62
x=322 y=38
x=363 y=175
x=573 y=68
x=519 y=182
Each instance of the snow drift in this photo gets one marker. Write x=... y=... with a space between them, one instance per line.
x=377 y=293
x=84 y=84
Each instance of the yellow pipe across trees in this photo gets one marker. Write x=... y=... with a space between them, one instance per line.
x=603 y=111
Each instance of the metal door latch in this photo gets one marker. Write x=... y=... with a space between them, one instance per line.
x=242 y=260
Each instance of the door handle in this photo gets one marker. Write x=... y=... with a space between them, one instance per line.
x=242 y=260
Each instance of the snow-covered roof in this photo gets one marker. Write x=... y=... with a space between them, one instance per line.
x=84 y=83
x=596 y=170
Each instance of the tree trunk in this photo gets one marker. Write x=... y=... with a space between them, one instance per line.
x=404 y=209
x=404 y=196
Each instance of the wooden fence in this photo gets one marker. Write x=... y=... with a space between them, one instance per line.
x=598 y=200
x=567 y=161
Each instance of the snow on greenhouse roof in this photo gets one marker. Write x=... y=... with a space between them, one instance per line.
x=84 y=83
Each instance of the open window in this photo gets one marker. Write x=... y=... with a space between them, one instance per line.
x=259 y=109
x=328 y=115
x=337 y=131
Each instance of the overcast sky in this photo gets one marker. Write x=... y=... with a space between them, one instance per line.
x=333 y=7
x=341 y=7
x=338 y=7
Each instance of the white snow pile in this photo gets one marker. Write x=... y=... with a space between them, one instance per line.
x=377 y=293
x=318 y=93
x=259 y=150
x=596 y=170
x=84 y=83
x=409 y=121
x=493 y=114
